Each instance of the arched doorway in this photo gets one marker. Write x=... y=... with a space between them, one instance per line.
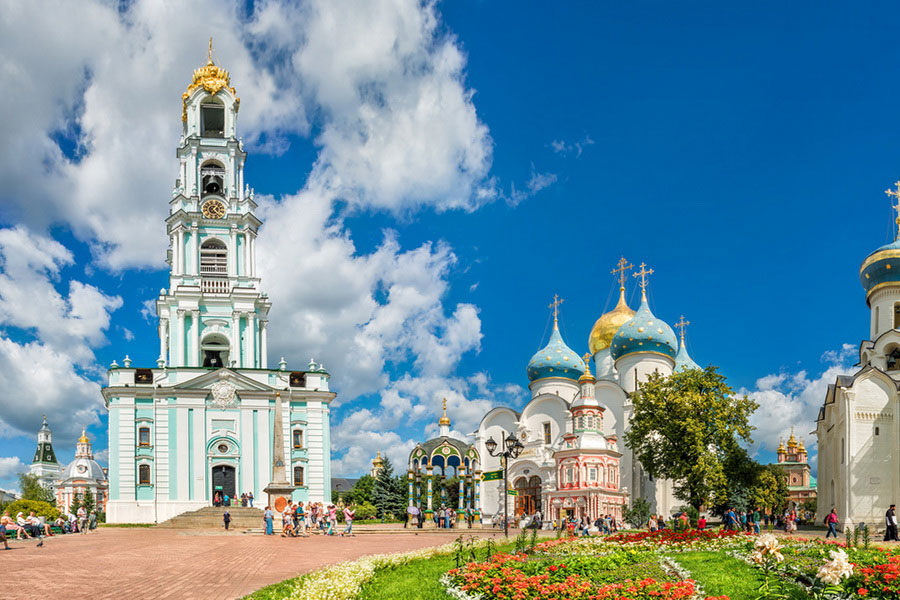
x=528 y=498
x=223 y=481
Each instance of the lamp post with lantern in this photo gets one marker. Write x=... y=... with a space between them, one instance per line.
x=511 y=449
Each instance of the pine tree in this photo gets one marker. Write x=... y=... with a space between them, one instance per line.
x=387 y=493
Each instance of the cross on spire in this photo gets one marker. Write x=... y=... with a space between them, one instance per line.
x=643 y=275
x=621 y=267
x=682 y=325
x=896 y=194
x=555 y=306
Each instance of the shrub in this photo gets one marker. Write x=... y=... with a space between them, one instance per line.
x=41 y=509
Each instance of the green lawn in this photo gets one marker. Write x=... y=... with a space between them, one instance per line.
x=276 y=591
x=720 y=574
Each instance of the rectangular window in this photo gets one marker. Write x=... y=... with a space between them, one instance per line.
x=298 y=476
x=298 y=438
x=144 y=436
x=876 y=431
x=569 y=475
x=144 y=474
x=547 y=438
x=212 y=120
x=592 y=474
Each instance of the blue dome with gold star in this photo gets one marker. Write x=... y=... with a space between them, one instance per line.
x=683 y=360
x=881 y=267
x=555 y=360
x=644 y=332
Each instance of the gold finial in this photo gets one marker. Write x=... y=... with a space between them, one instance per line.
x=209 y=59
x=643 y=275
x=621 y=267
x=445 y=420
x=682 y=325
x=84 y=438
x=555 y=306
x=587 y=377
x=896 y=194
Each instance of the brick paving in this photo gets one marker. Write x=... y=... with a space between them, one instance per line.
x=179 y=564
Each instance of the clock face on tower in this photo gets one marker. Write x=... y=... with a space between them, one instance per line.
x=213 y=209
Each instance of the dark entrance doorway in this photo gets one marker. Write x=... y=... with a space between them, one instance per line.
x=528 y=501
x=223 y=480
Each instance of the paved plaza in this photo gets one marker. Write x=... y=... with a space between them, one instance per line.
x=196 y=564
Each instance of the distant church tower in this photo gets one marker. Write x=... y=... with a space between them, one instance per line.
x=201 y=425
x=44 y=465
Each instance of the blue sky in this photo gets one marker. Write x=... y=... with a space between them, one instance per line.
x=740 y=151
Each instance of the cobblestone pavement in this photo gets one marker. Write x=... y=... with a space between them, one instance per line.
x=184 y=564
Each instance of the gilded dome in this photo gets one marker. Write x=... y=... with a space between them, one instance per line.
x=608 y=324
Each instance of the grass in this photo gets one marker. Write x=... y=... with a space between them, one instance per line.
x=720 y=574
x=276 y=591
x=417 y=580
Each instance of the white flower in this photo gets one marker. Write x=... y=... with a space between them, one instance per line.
x=835 y=569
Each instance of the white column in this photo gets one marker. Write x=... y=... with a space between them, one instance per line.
x=235 y=354
x=263 y=344
x=194 y=345
x=163 y=334
x=179 y=251
x=250 y=338
x=195 y=251
x=178 y=359
x=232 y=253
x=246 y=257
x=240 y=193
x=252 y=244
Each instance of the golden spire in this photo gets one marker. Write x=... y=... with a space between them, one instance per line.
x=682 y=325
x=555 y=306
x=621 y=268
x=781 y=445
x=643 y=275
x=84 y=438
x=211 y=78
x=209 y=59
x=445 y=420
x=378 y=460
x=896 y=194
x=587 y=370
x=792 y=441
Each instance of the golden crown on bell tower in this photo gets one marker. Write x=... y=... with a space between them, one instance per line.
x=211 y=78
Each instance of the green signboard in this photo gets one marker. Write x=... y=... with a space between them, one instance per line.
x=492 y=476
x=512 y=492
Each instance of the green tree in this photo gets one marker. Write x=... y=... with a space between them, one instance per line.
x=685 y=426
x=32 y=490
x=387 y=492
x=638 y=513
x=40 y=508
x=770 y=491
x=361 y=491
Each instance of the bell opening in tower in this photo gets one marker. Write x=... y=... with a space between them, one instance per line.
x=215 y=351
x=213 y=258
x=213 y=175
x=212 y=118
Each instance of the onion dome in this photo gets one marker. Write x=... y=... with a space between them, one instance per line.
x=587 y=377
x=781 y=448
x=608 y=324
x=683 y=360
x=644 y=332
x=445 y=420
x=792 y=441
x=84 y=438
x=555 y=360
x=881 y=267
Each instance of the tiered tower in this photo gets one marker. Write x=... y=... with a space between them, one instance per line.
x=45 y=465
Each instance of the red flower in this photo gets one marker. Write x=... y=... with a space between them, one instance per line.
x=862 y=591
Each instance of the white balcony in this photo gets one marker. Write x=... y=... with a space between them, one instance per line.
x=215 y=285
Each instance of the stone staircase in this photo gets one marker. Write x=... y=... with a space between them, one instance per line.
x=210 y=517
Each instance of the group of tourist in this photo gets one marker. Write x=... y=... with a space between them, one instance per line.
x=220 y=499
x=33 y=526
x=299 y=521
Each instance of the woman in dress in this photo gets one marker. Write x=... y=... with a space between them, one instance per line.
x=268 y=517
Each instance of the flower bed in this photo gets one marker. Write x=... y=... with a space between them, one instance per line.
x=666 y=539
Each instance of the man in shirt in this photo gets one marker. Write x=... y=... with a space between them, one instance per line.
x=890 y=525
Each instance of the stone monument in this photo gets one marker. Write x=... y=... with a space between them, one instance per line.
x=280 y=489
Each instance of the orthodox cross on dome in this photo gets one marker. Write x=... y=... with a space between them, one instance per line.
x=682 y=325
x=643 y=275
x=621 y=268
x=896 y=194
x=555 y=306
x=445 y=420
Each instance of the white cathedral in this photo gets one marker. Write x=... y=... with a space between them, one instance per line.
x=575 y=461
x=857 y=429
x=201 y=423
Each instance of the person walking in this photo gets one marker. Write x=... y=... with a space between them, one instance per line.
x=349 y=513
x=226 y=518
x=250 y=499
x=831 y=520
x=92 y=520
x=756 y=520
x=268 y=518
x=890 y=525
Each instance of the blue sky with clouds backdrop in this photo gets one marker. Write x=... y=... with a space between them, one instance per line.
x=431 y=174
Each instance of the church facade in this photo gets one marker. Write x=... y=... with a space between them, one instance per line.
x=200 y=423
x=858 y=433
x=575 y=461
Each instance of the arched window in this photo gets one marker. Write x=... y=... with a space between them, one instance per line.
x=143 y=436
x=298 y=476
x=610 y=476
x=213 y=258
x=215 y=351
x=144 y=474
x=212 y=118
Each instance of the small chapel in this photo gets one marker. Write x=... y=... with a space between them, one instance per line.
x=211 y=418
x=574 y=460
x=856 y=428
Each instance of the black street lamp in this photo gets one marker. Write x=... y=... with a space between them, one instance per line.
x=511 y=449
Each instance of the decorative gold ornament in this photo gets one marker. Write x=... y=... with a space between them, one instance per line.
x=445 y=420
x=213 y=209
x=608 y=324
x=211 y=78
